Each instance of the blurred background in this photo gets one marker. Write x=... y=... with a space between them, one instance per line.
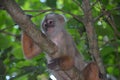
x=14 y=66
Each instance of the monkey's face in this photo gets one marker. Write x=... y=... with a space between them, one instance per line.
x=48 y=24
x=52 y=24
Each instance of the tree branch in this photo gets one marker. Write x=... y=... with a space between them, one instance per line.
x=27 y=26
x=91 y=35
x=78 y=18
x=110 y=20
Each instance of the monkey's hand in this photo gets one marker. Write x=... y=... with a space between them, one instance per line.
x=61 y=63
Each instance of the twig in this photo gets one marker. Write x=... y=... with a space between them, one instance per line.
x=79 y=19
x=117 y=8
x=110 y=19
x=6 y=28
x=94 y=4
x=98 y=17
x=8 y=33
x=78 y=4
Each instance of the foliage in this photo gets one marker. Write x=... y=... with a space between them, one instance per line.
x=13 y=65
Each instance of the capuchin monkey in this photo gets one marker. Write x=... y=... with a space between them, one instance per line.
x=53 y=27
x=67 y=55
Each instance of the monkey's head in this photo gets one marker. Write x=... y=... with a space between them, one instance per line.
x=53 y=23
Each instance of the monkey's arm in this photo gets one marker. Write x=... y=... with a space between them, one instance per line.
x=30 y=49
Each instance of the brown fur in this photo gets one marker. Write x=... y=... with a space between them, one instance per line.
x=91 y=72
x=30 y=49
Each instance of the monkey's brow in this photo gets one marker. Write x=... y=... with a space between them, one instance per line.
x=50 y=19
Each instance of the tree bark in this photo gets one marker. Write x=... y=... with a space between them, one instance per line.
x=92 y=37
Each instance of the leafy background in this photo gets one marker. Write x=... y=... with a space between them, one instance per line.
x=13 y=65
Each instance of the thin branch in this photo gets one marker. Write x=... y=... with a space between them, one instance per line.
x=110 y=19
x=94 y=4
x=98 y=17
x=78 y=4
x=6 y=28
x=8 y=33
x=117 y=8
x=41 y=11
x=78 y=18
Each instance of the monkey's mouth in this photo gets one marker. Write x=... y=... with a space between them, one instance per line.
x=48 y=27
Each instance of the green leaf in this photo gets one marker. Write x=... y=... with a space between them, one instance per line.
x=4 y=41
x=17 y=52
x=51 y=4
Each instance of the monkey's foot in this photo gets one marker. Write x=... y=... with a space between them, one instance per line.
x=54 y=64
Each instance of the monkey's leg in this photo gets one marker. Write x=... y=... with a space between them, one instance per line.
x=91 y=72
x=62 y=63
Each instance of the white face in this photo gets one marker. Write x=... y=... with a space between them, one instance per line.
x=48 y=24
x=52 y=23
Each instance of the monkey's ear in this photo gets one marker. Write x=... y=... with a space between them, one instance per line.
x=30 y=49
x=62 y=18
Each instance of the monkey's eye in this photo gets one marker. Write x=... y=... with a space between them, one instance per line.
x=50 y=21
